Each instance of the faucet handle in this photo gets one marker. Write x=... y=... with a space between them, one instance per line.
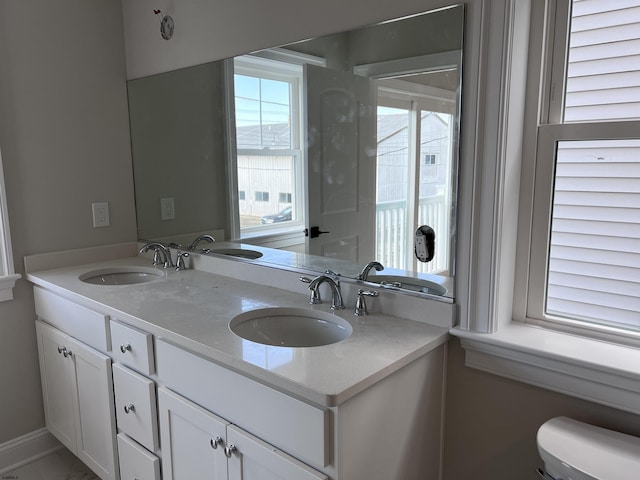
x=180 y=265
x=314 y=296
x=361 y=305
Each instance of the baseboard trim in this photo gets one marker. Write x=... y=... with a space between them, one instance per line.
x=27 y=448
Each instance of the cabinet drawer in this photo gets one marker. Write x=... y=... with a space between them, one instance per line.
x=136 y=463
x=80 y=322
x=132 y=347
x=136 y=411
x=297 y=427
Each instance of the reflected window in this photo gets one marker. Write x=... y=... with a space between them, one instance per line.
x=268 y=155
x=415 y=156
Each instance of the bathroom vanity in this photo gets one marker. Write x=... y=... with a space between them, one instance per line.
x=147 y=380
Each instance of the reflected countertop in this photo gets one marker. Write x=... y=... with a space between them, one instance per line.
x=193 y=308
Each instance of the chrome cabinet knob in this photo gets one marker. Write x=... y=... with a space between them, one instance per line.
x=64 y=351
x=125 y=348
x=216 y=442
x=230 y=450
x=128 y=408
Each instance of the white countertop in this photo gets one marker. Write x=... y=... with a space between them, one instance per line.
x=192 y=309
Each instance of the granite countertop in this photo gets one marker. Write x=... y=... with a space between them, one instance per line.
x=192 y=309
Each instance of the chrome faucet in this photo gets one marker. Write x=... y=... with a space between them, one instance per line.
x=208 y=238
x=367 y=268
x=336 y=300
x=162 y=254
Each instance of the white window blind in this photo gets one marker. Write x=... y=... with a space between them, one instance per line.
x=594 y=249
x=603 y=75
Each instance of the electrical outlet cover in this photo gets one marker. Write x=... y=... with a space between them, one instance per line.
x=100 y=214
x=167 y=209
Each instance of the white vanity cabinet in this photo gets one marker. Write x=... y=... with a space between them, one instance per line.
x=78 y=398
x=198 y=444
x=389 y=431
x=171 y=400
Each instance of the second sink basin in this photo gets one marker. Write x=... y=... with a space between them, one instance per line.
x=290 y=327
x=238 y=252
x=408 y=283
x=121 y=275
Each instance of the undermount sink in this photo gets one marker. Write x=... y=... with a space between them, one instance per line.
x=290 y=327
x=238 y=252
x=121 y=275
x=408 y=283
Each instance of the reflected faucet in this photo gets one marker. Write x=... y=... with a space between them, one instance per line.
x=208 y=238
x=336 y=300
x=162 y=254
x=367 y=268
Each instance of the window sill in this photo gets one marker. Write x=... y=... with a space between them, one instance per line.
x=7 y=283
x=590 y=369
x=275 y=237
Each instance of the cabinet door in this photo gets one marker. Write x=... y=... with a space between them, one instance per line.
x=253 y=459
x=58 y=384
x=188 y=436
x=96 y=428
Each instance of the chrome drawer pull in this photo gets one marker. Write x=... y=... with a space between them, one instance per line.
x=129 y=408
x=230 y=450
x=125 y=348
x=215 y=442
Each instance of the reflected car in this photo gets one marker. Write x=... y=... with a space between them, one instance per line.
x=283 y=215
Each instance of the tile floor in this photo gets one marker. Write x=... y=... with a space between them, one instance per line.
x=60 y=465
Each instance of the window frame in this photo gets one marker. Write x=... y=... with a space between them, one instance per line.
x=500 y=151
x=8 y=276
x=278 y=67
x=536 y=201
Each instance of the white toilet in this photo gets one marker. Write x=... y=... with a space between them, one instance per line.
x=573 y=450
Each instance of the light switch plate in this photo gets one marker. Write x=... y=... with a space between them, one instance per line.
x=100 y=214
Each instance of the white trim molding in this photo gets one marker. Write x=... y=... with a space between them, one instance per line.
x=8 y=276
x=589 y=369
x=26 y=449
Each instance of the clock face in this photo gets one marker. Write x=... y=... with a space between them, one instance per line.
x=166 y=27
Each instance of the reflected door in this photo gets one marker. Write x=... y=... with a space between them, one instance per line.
x=341 y=143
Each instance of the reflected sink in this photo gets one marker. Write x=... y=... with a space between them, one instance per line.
x=290 y=327
x=238 y=252
x=122 y=275
x=408 y=283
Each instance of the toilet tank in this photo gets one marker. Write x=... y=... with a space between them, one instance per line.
x=572 y=450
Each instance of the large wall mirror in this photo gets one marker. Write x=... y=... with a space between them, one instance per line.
x=325 y=154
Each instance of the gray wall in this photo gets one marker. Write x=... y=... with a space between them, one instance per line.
x=65 y=144
x=491 y=422
x=177 y=140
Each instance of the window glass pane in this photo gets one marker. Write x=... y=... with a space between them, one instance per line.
x=263 y=112
x=434 y=188
x=603 y=76
x=392 y=189
x=263 y=177
x=594 y=261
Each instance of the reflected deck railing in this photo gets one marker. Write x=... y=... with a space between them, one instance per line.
x=392 y=247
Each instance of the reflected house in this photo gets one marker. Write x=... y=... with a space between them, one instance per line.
x=265 y=182
x=395 y=176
